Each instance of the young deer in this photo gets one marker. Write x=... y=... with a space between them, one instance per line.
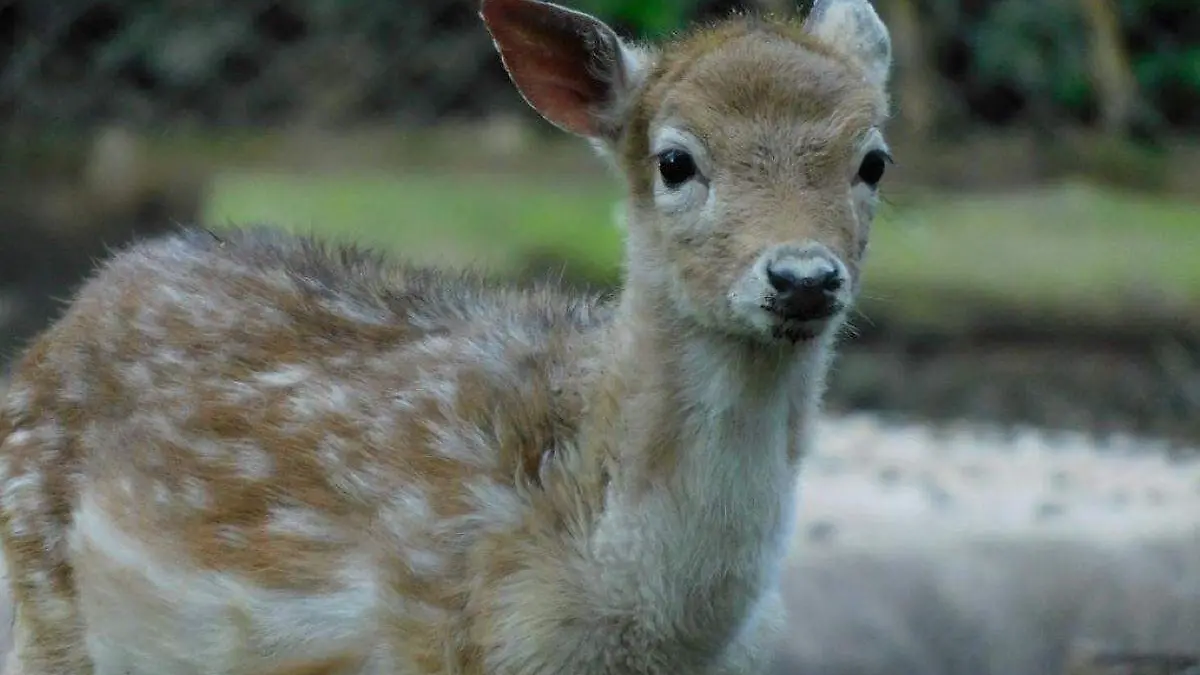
x=248 y=453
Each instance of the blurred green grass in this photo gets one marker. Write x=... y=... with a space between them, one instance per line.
x=1078 y=253
x=497 y=220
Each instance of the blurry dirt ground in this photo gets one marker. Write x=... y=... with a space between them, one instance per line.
x=968 y=550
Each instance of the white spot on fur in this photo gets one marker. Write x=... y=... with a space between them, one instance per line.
x=381 y=430
x=238 y=392
x=40 y=579
x=464 y=443
x=304 y=523
x=18 y=438
x=73 y=367
x=220 y=451
x=496 y=507
x=286 y=376
x=21 y=499
x=435 y=346
x=51 y=607
x=17 y=400
x=232 y=536
x=162 y=493
x=253 y=462
x=424 y=562
x=353 y=311
x=330 y=450
x=319 y=398
x=443 y=390
x=173 y=359
x=409 y=512
x=137 y=376
x=196 y=494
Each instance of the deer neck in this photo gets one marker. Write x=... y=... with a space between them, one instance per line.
x=703 y=434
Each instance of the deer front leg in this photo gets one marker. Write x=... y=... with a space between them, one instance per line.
x=47 y=635
x=47 y=631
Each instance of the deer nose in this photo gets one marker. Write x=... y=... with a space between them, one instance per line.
x=805 y=288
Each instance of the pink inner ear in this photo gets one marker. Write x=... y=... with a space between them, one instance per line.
x=549 y=54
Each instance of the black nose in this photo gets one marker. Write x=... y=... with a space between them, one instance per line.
x=804 y=290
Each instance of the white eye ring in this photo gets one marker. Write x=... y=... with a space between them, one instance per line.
x=681 y=194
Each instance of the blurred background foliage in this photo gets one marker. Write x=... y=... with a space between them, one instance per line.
x=1130 y=64
x=1036 y=256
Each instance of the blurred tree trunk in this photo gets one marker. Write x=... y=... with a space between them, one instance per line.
x=1112 y=74
x=916 y=89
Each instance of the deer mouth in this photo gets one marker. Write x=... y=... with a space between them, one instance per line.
x=796 y=329
x=815 y=314
x=794 y=333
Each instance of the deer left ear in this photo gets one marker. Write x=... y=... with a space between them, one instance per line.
x=570 y=67
x=854 y=27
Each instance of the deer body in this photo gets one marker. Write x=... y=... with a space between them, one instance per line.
x=249 y=453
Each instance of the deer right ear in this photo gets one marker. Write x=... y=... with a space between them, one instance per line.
x=570 y=67
x=854 y=27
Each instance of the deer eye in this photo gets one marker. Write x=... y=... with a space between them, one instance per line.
x=872 y=167
x=676 y=167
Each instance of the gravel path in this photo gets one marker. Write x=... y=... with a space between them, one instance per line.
x=869 y=482
x=963 y=552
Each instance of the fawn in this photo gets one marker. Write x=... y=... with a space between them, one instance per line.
x=249 y=452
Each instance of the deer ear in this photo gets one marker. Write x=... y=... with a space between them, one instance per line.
x=853 y=27
x=570 y=67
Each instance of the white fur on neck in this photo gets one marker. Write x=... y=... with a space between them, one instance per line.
x=717 y=525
